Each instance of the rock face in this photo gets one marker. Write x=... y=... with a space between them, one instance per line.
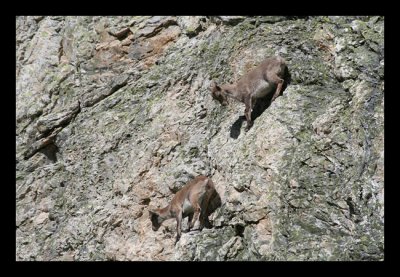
x=114 y=115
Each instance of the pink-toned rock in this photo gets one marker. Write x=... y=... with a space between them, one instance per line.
x=42 y=217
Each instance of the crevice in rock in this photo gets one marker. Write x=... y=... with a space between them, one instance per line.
x=50 y=151
x=60 y=51
x=118 y=83
x=239 y=230
x=46 y=125
x=48 y=129
x=121 y=34
x=38 y=18
x=38 y=145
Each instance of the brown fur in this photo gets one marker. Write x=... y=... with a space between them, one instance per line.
x=200 y=199
x=266 y=78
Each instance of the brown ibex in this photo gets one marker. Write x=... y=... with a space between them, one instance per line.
x=270 y=75
x=196 y=200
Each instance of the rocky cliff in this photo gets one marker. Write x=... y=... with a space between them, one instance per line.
x=114 y=115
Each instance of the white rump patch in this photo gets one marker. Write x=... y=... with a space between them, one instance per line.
x=187 y=207
x=262 y=89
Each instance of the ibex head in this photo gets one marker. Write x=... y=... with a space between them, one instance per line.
x=218 y=93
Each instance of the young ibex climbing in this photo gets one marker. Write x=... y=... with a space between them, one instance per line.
x=258 y=83
x=196 y=200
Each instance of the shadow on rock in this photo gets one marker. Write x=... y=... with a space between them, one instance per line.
x=212 y=206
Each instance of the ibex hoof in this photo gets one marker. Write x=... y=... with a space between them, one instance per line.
x=248 y=127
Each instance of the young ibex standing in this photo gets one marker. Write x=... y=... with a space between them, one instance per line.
x=196 y=200
x=268 y=76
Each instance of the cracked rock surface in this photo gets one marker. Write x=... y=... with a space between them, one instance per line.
x=114 y=115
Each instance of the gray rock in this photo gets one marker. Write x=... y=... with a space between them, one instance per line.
x=231 y=20
x=304 y=183
x=191 y=25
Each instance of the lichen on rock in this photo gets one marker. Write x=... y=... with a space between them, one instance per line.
x=114 y=115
